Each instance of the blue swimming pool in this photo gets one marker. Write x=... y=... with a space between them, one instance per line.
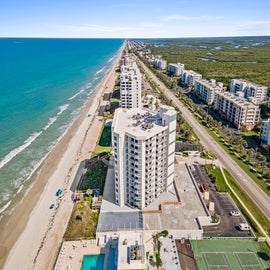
x=93 y=262
x=111 y=262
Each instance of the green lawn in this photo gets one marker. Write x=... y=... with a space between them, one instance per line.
x=106 y=137
x=215 y=173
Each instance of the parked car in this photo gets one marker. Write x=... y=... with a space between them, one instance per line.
x=244 y=227
x=52 y=206
x=235 y=213
x=58 y=192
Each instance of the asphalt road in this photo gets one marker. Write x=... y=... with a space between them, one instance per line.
x=260 y=198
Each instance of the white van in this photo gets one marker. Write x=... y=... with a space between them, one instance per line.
x=244 y=227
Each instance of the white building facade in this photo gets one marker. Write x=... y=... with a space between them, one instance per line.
x=190 y=76
x=130 y=86
x=265 y=131
x=237 y=110
x=160 y=63
x=206 y=90
x=144 y=145
x=249 y=89
x=176 y=69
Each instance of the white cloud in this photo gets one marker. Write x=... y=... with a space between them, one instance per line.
x=93 y=28
x=257 y=24
x=176 y=17
x=180 y=17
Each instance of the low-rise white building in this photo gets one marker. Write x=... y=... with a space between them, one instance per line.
x=144 y=145
x=206 y=90
x=249 y=89
x=190 y=76
x=237 y=110
x=265 y=131
x=130 y=85
x=131 y=252
x=176 y=69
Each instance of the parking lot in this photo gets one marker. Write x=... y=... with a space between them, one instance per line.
x=229 y=225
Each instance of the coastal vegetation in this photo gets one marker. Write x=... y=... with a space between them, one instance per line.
x=83 y=221
x=222 y=59
x=95 y=176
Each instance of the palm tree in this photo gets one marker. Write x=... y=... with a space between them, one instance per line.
x=263 y=162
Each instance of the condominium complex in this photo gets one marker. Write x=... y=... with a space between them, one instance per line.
x=265 y=131
x=249 y=89
x=206 y=90
x=190 y=76
x=176 y=69
x=160 y=63
x=144 y=145
x=130 y=85
x=237 y=110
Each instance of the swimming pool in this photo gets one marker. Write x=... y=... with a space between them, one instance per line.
x=93 y=262
x=111 y=263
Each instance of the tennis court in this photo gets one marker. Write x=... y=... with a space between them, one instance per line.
x=248 y=260
x=229 y=255
x=215 y=260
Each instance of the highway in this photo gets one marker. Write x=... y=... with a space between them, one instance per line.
x=260 y=198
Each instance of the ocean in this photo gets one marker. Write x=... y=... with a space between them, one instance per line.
x=44 y=84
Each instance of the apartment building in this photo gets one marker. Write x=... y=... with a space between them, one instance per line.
x=176 y=69
x=160 y=63
x=265 y=131
x=130 y=85
x=237 y=110
x=144 y=145
x=249 y=89
x=206 y=90
x=190 y=76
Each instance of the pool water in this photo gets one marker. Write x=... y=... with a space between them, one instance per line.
x=111 y=263
x=93 y=262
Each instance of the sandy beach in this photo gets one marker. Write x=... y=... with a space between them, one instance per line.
x=31 y=237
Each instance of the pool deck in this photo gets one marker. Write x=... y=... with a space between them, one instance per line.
x=72 y=252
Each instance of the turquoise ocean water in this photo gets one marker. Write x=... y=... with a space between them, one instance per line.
x=43 y=86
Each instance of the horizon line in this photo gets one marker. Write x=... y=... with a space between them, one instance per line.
x=125 y=38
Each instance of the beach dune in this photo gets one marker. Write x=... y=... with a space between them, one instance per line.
x=31 y=237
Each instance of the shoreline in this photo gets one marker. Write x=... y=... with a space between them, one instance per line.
x=33 y=233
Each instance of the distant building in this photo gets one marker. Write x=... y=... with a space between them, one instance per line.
x=206 y=90
x=176 y=69
x=160 y=63
x=249 y=89
x=130 y=85
x=265 y=131
x=144 y=145
x=190 y=76
x=237 y=110
x=150 y=102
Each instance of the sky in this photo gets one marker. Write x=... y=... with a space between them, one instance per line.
x=134 y=18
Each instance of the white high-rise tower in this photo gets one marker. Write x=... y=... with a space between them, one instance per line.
x=144 y=145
